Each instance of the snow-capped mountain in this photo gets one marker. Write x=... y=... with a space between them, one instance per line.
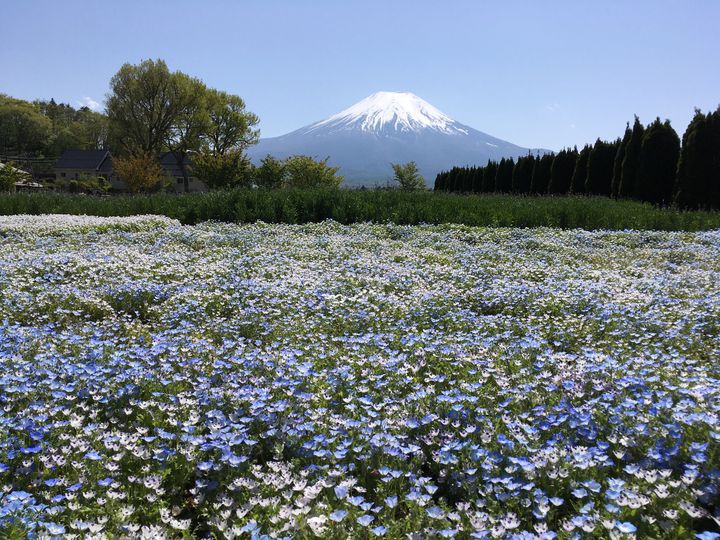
x=389 y=127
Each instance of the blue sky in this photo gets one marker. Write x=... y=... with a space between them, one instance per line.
x=541 y=74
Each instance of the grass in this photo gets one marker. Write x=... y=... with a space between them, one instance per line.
x=352 y=206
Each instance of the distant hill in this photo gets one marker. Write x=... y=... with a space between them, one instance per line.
x=385 y=128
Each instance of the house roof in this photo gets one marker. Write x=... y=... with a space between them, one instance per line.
x=24 y=173
x=96 y=160
x=170 y=165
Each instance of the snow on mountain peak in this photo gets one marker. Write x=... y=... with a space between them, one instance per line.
x=391 y=111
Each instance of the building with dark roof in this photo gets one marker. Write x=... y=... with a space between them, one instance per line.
x=75 y=163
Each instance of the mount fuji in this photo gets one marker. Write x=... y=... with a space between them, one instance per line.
x=385 y=128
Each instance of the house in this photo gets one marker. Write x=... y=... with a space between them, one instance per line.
x=75 y=163
x=172 y=170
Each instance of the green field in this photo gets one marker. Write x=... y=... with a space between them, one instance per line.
x=356 y=206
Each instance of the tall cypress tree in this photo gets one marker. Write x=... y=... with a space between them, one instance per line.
x=541 y=174
x=659 y=155
x=522 y=174
x=617 y=165
x=699 y=164
x=600 y=168
x=503 y=178
x=561 y=171
x=489 y=177
x=631 y=162
x=577 y=184
x=714 y=179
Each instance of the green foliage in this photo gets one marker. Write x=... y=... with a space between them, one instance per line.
x=577 y=184
x=617 y=163
x=698 y=175
x=222 y=171
x=659 y=155
x=351 y=206
x=231 y=127
x=561 y=171
x=503 y=178
x=408 y=176
x=23 y=127
x=270 y=174
x=9 y=175
x=631 y=162
x=86 y=183
x=540 y=181
x=600 y=167
x=141 y=172
x=522 y=174
x=302 y=172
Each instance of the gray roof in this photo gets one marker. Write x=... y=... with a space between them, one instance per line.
x=95 y=160
x=170 y=165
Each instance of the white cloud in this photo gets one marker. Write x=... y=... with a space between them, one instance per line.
x=90 y=103
x=553 y=107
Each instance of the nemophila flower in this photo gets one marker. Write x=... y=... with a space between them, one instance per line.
x=365 y=520
x=338 y=515
x=247 y=381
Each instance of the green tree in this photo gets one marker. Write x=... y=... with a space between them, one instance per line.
x=141 y=172
x=631 y=162
x=488 y=185
x=305 y=172
x=698 y=174
x=10 y=175
x=659 y=154
x=577 y=184
x=143 y=107
x=540 y=182
x=221 y=171
x=408 y=176
x=561 y=171
x=23 y=128
x=600 y=167
x=522 y=174
x=191 y=122
x=231 y=127
x=617 y=163
x=270 y=174
x=503 y=177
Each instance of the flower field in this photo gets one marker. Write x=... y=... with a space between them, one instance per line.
x=302 y=381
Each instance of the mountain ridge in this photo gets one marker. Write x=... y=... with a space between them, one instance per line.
x=389 y=127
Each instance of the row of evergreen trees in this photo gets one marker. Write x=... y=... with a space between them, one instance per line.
x=647 y=164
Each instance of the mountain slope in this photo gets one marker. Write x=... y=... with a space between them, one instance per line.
x=385 y=128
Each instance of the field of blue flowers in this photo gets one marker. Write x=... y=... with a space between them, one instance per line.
x=303 y=381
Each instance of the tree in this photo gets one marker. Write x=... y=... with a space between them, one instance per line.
x=143 y=107
x=617 y=163
x=231 y=127
x=698 y=174
x=522 y=174
x=228 y=170
x=140 y=171
x=631 y=162
x=23 y=127
x=541 y=174
x=9 y=176
x=561 y=171
x=659 y=155
x=503 y=178
x=577 y=184
x=304 y=172
x=190 y=123
x=408 y=176
x=270 y=174
x=488 y=185
x=600 y=167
